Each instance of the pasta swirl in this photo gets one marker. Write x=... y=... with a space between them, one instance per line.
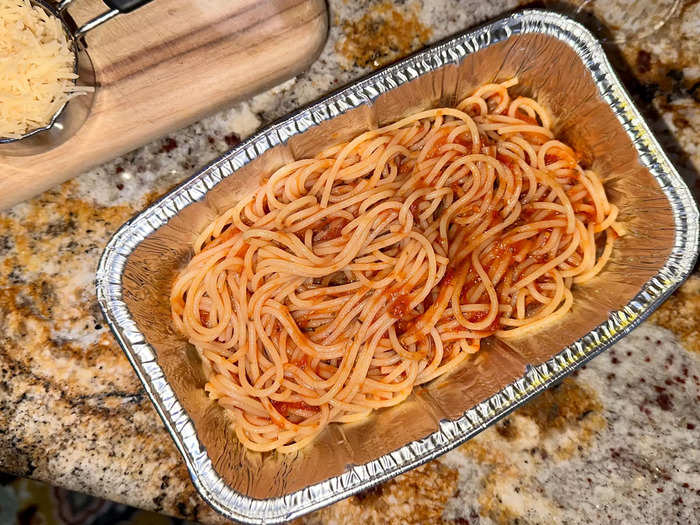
x=349 y=278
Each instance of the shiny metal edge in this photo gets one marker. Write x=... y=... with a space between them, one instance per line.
x=450 y=433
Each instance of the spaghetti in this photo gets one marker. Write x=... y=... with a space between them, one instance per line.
x=349 y=278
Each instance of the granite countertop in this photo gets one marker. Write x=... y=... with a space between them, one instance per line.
x=617 y=441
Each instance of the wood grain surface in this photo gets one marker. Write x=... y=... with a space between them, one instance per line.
x=166 y=65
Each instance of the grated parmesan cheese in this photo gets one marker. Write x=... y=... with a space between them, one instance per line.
x=36 y=68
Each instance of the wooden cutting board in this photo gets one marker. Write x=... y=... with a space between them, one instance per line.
x=166 y=65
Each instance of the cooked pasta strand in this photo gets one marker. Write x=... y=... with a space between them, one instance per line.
x=381 y=263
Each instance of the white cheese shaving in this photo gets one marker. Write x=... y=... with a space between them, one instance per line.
x=36 y=68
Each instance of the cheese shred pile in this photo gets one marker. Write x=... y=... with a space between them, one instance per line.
x=36 y=68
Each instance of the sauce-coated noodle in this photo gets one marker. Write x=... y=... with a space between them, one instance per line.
x=348 y=278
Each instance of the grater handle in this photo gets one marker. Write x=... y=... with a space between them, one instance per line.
x=116 y=7
x=125 y=6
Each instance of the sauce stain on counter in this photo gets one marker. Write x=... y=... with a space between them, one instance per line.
x=383 y=34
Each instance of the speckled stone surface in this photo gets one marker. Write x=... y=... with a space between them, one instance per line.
x=617 y=442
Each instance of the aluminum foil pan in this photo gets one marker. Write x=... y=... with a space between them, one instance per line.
x=556 y=60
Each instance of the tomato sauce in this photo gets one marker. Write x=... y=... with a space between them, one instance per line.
x=520 y=114
x=456 y=188
x=413 y=208
x=508 y=161
x=403 y=326
x=304 y=363
x=285 y=407
x=399 y=305
x=331 y=230
x=551 y=158
x=475 y=317
x=434 y=150
x=449 y=276
x=405 y=167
